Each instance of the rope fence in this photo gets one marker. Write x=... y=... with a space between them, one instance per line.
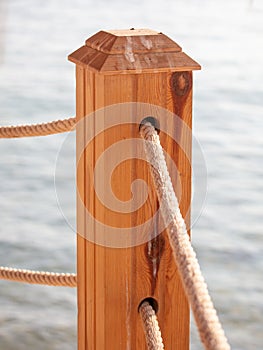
x=151 y=327
x=43 y=129
x=39 y=277
x=208 y=324
x=28 y=276
x=209 y=327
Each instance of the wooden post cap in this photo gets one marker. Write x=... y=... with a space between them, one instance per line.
x=132 y=51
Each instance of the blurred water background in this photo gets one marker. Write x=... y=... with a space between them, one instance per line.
x=37 y=84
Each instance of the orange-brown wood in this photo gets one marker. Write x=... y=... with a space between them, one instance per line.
x=112 y=282
x=81 y=244
x=132 y=51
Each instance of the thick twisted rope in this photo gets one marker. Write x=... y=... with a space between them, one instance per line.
x=39 y=277
x=43 y=129
x=210 y=330
x=151 y=327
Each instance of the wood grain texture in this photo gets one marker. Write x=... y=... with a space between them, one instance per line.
x=81 y=244
x=132 y=51
x=112 y=282
x=137 y=40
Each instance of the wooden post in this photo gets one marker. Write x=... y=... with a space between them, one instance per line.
x=117 y=67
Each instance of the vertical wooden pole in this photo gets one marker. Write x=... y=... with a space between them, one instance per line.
x=117 y=67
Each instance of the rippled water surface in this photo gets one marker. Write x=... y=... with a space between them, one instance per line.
x=37 y=83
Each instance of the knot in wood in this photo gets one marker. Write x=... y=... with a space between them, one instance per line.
x=155 y=248
x=180 y=83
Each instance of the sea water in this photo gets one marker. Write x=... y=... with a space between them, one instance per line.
x=37 y=84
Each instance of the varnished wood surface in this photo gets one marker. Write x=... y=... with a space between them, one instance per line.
x=113 y=281
x=81 y=244
x=132 y=51
x=132 y=31
x=137 y=40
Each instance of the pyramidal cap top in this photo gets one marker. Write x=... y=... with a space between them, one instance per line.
x=132 y=51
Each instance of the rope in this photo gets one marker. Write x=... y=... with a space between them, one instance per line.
x=151 y=327
x=39 y=277
x=43 y=129
x=210 y=330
